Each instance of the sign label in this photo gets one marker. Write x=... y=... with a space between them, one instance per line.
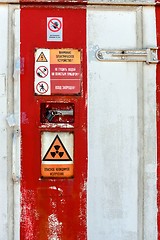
x=42 y=72
x=57 y=154
x=62 y=70
x=42 y=87
x=42 y=58
x=54 y=29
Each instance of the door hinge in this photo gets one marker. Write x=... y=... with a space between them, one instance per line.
x=148 y=55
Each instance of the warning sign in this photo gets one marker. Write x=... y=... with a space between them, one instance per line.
x=62 y=71
x=42 y=58
x=55 y=24
x=57 y=154
x=42 y=72
x=65 y=70
x=54 y=29
x=42 y=87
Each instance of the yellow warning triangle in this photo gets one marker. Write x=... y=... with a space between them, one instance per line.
x=57 y=151
x=42 y=58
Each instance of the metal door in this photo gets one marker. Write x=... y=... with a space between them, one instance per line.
x=53 y=207
x=121 y=184
x=122 y=137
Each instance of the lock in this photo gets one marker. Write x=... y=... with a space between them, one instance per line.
x=57 y=113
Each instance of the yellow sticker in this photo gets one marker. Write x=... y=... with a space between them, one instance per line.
x=65 y=56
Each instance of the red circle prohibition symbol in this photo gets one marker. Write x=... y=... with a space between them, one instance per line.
x=54 y=25
x=42 y=71
x=42 y=87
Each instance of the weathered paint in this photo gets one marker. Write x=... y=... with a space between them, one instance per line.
x=16 y=144
x=51 y=208
x=123 y=2
x=122 y=135
x=158 y=119
x=150 y=134
x=3 y=124
x=58 y=197
x=107 y=2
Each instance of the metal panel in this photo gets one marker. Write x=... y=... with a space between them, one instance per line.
x=118 y=128
x=158 y=121
x=52 y=208
x=13 y=118
x=16 y=131
x=107 y=2
x=9 y=1
x=3 y=115
x=123 y=2
x=150 y=146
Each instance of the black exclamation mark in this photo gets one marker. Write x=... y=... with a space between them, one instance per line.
x=42 y=56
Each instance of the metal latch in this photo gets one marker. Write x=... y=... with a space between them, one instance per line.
x=148 y=55
x=52 y=113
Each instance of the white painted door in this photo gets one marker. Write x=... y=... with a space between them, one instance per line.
x=122 y=135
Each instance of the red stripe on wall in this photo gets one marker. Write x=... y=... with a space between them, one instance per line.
x=51 y=208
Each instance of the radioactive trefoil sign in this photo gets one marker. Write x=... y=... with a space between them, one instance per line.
x=57 y=154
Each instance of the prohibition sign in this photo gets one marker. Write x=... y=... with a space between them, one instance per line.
x=42 y=71
x=42 y=87
x=54 y=25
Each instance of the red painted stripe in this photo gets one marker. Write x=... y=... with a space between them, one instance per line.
x=54 y=208
x=158 y=118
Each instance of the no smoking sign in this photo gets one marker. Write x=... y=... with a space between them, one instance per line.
x=54 y=29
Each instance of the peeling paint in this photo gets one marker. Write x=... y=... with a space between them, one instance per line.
x=55 y=227
x=57 y=200
x=53 y=187
x=83 y=208
x=55 y=125
x=24 y=118
x=11 y=120
x=92 y=50
x=29 y=213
